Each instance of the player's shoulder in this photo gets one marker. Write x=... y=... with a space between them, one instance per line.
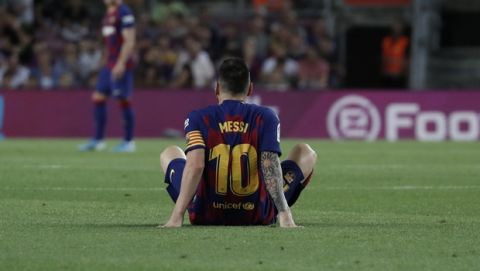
x=203 y=111
x=264 y=111
x=126 y=16
x=124 y=9
x=259 y=110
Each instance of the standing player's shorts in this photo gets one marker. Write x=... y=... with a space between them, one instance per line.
x=293 y=179
x=121 y=88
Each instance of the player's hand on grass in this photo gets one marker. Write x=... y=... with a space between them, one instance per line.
x=118 y=70
x=174 y=222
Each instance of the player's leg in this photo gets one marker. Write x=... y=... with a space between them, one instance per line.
x=122 y=90
x=297 y=171
x=172 y=163
x=99 y=99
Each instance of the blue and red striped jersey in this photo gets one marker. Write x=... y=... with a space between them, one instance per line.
x=114 y=23
x=232 y=190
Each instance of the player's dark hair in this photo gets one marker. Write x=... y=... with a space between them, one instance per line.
x=234 y=76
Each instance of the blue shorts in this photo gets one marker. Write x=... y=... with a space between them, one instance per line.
x=121 y=88
x=293 y=179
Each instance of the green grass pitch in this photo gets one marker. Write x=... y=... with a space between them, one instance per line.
x=370 y=206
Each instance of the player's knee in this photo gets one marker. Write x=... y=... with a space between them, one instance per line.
x=124 y=103
x=309 y=151
x=98 y=97
x=168 y=154
x=304 y=156
x=305 y=150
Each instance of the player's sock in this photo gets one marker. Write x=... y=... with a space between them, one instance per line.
x=100 y=114
x=294 y=189
x=128 y=120
x=307 y=180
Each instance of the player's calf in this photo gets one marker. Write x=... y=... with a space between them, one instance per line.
x=297 y=171
x=304 y=156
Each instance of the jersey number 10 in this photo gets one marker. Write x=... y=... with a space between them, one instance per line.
x=243 y=159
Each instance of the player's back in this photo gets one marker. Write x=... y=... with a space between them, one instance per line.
x=233 y=135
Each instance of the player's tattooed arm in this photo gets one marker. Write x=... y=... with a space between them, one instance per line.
x=272 y=174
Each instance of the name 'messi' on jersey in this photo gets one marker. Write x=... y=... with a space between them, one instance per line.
x=233 y=127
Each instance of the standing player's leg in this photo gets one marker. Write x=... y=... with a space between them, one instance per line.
x=297 y=171
x=172 y=162
x=99 y=99
x=122 y=90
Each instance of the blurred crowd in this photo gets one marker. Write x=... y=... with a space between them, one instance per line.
x=57 y=45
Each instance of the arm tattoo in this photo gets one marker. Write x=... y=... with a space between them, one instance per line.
x=272 y=174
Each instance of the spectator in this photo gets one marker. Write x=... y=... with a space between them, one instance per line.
x=210 y=33
x=23 y=10
x=163 y=9
x=252 y=58
x=258 y=32
x=13 y=38
x=44 y=72
x=198 y=62
x=297 y=47
x=320 y=38
x=89 y=62
x=159 y=62
x=318 y=32
x=290 y=22
x=13 y=75
x=313 y=71
x=76 y=11
x=72 y=31
x=279 y=72
x=175 y=26
x=230 y=44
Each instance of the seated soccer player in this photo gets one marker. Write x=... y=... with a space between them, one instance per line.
x=231 y=173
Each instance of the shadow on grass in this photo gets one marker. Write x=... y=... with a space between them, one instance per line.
x=115 y=225
x=156 y=226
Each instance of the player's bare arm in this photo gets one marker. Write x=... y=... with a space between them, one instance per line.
x=190 y=179
x=272 y=174
x=126 y=52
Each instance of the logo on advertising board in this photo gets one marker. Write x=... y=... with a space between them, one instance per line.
x=353 y=117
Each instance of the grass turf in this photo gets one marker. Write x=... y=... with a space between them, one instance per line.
x=370 y=206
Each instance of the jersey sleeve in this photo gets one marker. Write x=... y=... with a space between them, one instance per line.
x=193 y=133
x=127 y=19
x=270 y=136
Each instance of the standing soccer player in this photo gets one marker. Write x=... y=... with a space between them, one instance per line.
x=116 y=78
x=231 y=174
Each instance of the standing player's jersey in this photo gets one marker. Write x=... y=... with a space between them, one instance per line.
x=114 y=23
x=232 y=191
